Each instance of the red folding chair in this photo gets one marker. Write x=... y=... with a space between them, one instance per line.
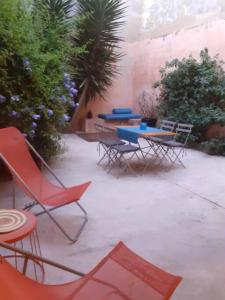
x=14 y=151
x=121 y=275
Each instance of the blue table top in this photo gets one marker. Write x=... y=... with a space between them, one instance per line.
x=141 y=131
x=132 y=134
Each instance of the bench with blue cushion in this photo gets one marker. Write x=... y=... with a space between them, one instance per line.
x=120 y=114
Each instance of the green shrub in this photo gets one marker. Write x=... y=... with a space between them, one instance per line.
x=214 y=146
x=35 y=91
x=193 y=91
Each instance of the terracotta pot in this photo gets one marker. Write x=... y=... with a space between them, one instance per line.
x=215 y=131
x=151 y=122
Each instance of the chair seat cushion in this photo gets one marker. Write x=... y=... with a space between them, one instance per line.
x=111 y=142
x=155 y=139
x=173 y=144
x=122 y=111
x=119 y=117
x=160 y=139
x=126 y=148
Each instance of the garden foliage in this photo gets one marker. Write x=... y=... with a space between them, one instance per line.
x=58 y=11
x=35 y=89
x=193 y=91
x=96 y=40
x=214 y=146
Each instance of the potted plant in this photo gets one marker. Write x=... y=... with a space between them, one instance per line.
x=147 y=109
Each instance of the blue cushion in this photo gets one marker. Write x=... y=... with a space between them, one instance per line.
x=111 y=117
x=122 y=111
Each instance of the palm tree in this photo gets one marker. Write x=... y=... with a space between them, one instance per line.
x=96 y=43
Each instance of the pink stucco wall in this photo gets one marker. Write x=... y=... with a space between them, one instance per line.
x=121 y=92
x=140 y=66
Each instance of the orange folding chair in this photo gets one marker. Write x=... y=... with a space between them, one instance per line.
x=14 y=151
x=121 y=275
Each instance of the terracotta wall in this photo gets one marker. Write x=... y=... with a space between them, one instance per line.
x=121 y=92
x=143 y=59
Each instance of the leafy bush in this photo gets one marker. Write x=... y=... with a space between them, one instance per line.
x=35 y=94
x=214 y=146
x=193 y=91
x=58 y=11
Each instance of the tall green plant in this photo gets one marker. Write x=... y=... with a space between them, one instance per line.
x=58 y=10
x=193 y=91
x=96 y=41
x=34 y=93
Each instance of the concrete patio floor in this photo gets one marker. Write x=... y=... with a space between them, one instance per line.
x=166 y=216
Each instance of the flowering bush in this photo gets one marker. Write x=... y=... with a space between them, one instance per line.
x=36 y=93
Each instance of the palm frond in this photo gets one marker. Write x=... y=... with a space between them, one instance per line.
x=97 y=31
x=58 y=10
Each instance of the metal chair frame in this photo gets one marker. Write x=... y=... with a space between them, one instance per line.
x=106 y=144
x=119 y=154
x=173 y=152
x=155 y=143
x=36 y=200
x=119 y=157
x=36 y=258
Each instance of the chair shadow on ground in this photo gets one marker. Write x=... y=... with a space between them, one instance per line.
x=138 y=168
x=50 y=234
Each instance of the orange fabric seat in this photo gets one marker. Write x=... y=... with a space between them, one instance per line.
x=121 y=275
x=14 y=151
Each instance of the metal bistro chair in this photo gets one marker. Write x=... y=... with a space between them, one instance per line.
x=106 y=140
x=121 y=275
x=173 y=149
x=120 y=152
x=14 y=151
x=155 y=142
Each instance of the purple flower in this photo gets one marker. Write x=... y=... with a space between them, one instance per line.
x=33 y=124
x=73 y=91
x=14 y=114
x=72 y=83
x=15 y=98
x=36 y=117
x=26 y=62
x=66 y=118
x=77 y=104
x=67 y=86
x=72 y=104
x=66 y=76
x=2 y=99
x=50 y=112
x=63 y=98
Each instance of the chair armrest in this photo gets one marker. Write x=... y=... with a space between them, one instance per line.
x=34 y=257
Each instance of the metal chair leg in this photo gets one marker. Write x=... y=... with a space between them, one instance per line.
x=71 y=239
